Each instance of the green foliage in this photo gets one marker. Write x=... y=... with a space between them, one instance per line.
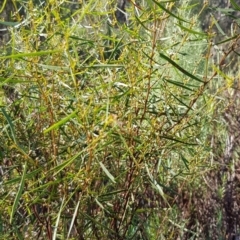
x=104 y=126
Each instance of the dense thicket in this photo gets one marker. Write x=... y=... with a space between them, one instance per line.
x=118 y=120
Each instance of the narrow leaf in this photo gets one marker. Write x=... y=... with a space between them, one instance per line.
x=218 y=26
x=73 y=219
x=58 y=220
x=10 y=24
x=107 y=172
x=191 y=31
x=155 y=184
x=169 y=12
x=227 y=40
x=97 y=222
x=56 y=68
x=179 y=84
x=185 y=161
x=11 y=126
x=179 y=100
x=32 y=54
x=115 y=49
x=180 y=68
x=28 y=176
x=235 y=5
x=61 y=166
x=61 y=122
x=141 y=23
x=19 y=193
x=104 y=66
x=177 y=140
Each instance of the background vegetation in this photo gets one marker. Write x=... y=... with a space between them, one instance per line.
x=119 y=120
